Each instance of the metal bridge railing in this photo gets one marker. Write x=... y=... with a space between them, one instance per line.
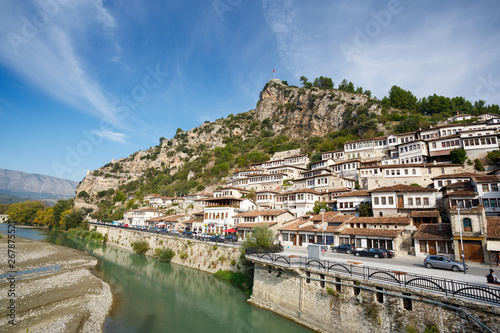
x=403 y=279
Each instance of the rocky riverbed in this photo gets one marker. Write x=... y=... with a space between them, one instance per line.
x=53 y=289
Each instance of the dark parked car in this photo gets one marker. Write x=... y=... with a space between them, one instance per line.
x=216 y=239
x=432 y=261
x=231 y=238
x=370 y=252
x=390 y=253
x=344 y=248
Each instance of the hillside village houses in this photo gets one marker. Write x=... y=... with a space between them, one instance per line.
x=415 y=193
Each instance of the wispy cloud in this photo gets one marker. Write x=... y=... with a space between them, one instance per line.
x=110 y=135
x=42 y=45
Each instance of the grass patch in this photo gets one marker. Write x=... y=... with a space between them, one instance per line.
x=140 y=247
x=166 y=255
x=240 y=280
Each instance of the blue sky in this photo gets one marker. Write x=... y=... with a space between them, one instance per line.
x=83 y=82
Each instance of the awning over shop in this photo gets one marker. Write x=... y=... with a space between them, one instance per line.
x=493 y=245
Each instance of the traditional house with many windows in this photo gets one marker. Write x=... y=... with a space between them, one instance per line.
x=401 y=200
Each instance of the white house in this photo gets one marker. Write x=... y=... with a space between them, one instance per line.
x=299 y=202
x=349 y=202
x=400 y=200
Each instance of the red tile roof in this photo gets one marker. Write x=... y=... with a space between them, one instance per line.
x=402 y=188
x=424 y=213
x=262 y=213
x=354 y=194
x=253 y=225
x=382 y=220
x=391 y=233
x=493 y=227
x=456 y=175
x=436 y=231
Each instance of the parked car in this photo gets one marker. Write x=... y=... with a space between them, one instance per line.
x=231 y=238
x=370 y=252
x=175 y=232
x=435 y=261
x=344 y=248
x=390 y=253
x=216 y=239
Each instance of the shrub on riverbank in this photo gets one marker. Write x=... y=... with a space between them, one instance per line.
x=85 y=234
x=140 y=247
x=240 y=280
x=166 y=255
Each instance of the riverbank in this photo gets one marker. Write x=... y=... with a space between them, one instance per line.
x=54 y=289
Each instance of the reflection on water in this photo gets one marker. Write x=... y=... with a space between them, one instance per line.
x=150 y=296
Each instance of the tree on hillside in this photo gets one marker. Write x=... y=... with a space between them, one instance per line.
x=323 y=82
x=493 y=157
x=402 y=99
x=346 y=86
x=119 y=197
x=458 y=156
x=59 y=207
x=304 y=82
x=72 y=218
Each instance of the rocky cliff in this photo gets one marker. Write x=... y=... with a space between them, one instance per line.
x=290 y=112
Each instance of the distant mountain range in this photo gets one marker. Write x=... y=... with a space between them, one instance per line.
x=17 y=186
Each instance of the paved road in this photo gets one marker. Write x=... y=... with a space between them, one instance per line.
x=475 y=274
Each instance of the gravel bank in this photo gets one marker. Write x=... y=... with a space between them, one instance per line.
x=55 y=290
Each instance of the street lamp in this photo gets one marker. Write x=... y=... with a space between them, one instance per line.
x=460 y=226
x=322 y=210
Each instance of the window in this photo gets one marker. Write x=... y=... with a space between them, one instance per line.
x=426 y=201
x=285 y=237
x=486 y=203
x=376 y=200
x=440 y=183
x=414 y=171
x=467 y=223
x=391 y=200
x=410 y=201
x=493 y=203
x=406 y=171
x=486 y=188
x=383 y=201
x=418 y=202
x=494 y=187
x=434 y=145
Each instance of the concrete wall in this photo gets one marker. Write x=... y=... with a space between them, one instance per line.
x=343 y=311
x=200 y=255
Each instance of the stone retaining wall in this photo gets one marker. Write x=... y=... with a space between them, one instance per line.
x=203 y=256
x=327 y=307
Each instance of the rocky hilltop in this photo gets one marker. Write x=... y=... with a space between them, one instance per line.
x=285 y=117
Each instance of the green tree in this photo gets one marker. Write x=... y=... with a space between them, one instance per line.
x=402 y=99
x=261 y=237
x=458 y=156
x=25 y=212
x=304 y=82
x=45 y=217
x=72 y=218
x=83 y=195
x=365 y=209
x=493 y=157
x=59 y=207
x=478 y=165
x=162 y=139
x=119 y=197
x=318 y=205
x=323 y=82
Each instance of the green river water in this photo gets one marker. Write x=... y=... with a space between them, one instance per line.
x=150 y=296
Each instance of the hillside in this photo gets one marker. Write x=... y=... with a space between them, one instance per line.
x=286 y=117
x=283 y=119
x=34 y=186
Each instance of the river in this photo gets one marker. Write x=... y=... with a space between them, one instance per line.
x=150 y=296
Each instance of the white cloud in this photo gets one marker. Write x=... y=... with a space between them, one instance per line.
x=110 y=135
x=43 y=48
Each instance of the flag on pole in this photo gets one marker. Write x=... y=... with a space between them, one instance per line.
x=273 y=70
